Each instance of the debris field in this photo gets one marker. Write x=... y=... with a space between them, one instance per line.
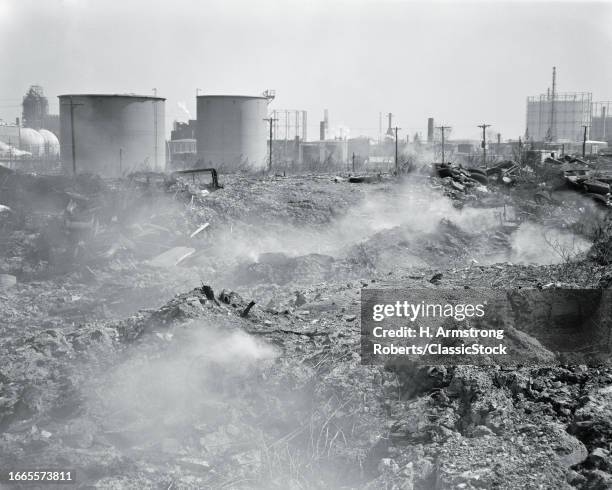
x=159 y=333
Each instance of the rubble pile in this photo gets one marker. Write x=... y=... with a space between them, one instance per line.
x=240 y=423
x=252 y=377
x=339 y=422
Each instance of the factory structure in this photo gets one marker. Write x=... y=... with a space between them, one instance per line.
x=289 y=132
x=35 y=138
x=238 y=131
x=601 y=122
x=555 y=117
x=36 y=114
x=181 y=148
x=113 y=135
x=567 y=118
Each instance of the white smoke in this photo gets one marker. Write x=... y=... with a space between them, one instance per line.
x=183 y=107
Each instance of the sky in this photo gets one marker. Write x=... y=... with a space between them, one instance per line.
x=462 y=63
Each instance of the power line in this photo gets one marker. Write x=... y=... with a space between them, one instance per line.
x=396 y=159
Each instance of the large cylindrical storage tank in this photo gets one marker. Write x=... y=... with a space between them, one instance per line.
x=231 y=131
x=113 y=135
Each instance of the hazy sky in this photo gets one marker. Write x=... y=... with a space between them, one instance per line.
x=460 y=62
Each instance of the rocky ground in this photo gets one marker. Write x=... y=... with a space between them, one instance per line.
x=108 y=371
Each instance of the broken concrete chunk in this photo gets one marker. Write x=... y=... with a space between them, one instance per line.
x=300 y=299
x=172 y=257
x=482 y=431
x=7 y=281
x=195 y=464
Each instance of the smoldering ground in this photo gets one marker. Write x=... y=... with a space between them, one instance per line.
x=168 y=402
x=138 y=223
x=179 y=379
x=407 y=219
x=206 y=400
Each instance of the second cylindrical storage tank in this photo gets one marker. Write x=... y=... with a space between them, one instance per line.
x=112 y=134
x=231 y=131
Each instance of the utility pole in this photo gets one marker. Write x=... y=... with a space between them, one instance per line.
x=553 y=122
x=584 y=141
x=270 y=120
x=484 y=143
x=120 y=162
x=442 y=128
x=353 y=162
x=72 y=142
x=396 y=159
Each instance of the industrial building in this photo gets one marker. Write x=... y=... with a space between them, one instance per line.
x=182 y=153
x=35 y=111
x=558 y=117
x=287 y=151
x=31 y=143
x=289 y=124
x=289 y=130
x=601 y=122
x=182 y=147
x=360 y=147
x=329 y=152
x=232 y=131
x=10 y=135
x=184 y=130
x=112 y=134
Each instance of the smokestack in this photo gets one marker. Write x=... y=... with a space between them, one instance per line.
x=324 y=126
x=430 y=130
x=390 y=128
x=553 y=128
